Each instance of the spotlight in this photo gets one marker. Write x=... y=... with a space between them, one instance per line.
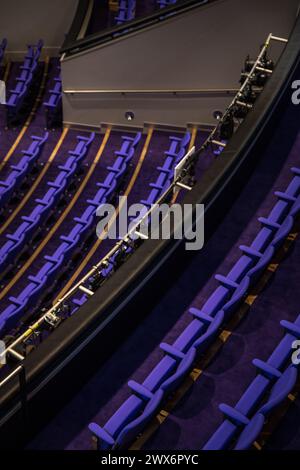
x=227 y=127
x=266 y=62
x=243 y=78
x=249 y=64
x=120 y=256
x=259 y=79
x=240 y=112
x=218 y=115
x=129 y=115
x=96 y=281
x=248 y=96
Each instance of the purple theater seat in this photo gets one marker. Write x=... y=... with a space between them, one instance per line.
x=44 y=204
x=21 y=170
x=58 y=261
x=126 y=11
x=203 y=329
x=271 y=380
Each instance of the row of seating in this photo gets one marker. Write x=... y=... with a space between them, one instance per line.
x=53 y=106
x=57 y=263
x=12 y=248
x=129 y=420
x=21 y=170
x=275 y=380
x=26 y=83
x=166 y=3
x=126 y=11
x=175 y=153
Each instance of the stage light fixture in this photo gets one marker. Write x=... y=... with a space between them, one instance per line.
x=227 y=127
x=240 y=112
x=266 y=62
x=248 y=95
x=259 y=79
x=249 y=64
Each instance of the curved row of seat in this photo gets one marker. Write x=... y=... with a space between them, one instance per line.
x=166 y=3
x=25 y=83
x=275 y=380
x=53 y=106
x=33 y=52
x=12 y=248
x=126 y=11
x=94 y=282
x=175 y=153
x=57 y=263
x=128 y=421
x=21 y=170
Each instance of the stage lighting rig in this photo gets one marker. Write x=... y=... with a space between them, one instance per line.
x=240 y=110
x=121 y=255
x=266 y=62
x=262 y=70
x=64 y=311
x=249 y=64
x=227 y=127
x=96 y=281
x=32 y=342
x=52 y=319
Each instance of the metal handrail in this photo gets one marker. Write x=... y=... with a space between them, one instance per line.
x=11 y=375
x=154 y=91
